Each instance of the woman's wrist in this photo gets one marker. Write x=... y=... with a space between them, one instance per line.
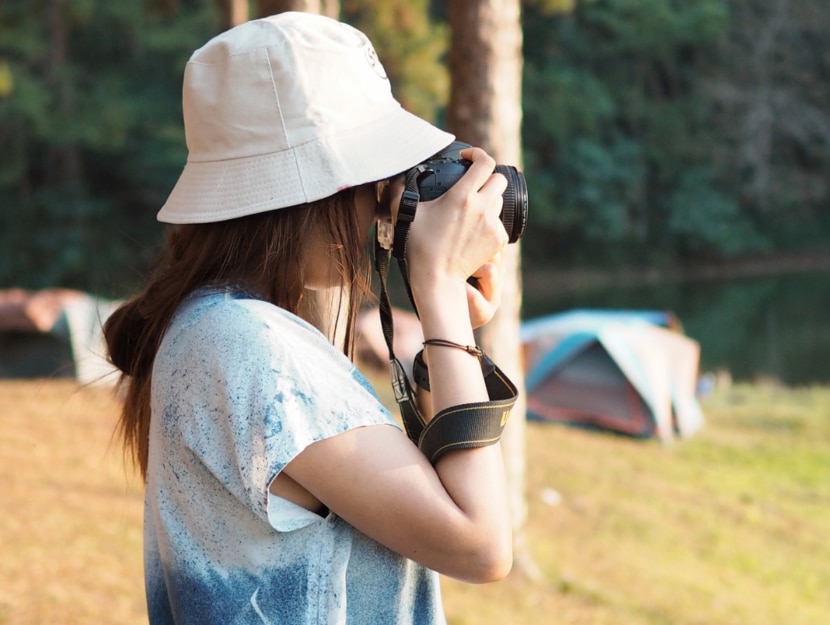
x=443 y=310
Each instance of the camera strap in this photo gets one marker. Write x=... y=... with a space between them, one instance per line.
x=458 y=427
x=406 y=215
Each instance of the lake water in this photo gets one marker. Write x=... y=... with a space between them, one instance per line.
x=770 y=327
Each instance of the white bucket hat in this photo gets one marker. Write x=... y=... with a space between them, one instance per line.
x=287 y=110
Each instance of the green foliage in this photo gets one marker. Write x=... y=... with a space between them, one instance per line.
x=613 y=119
x=706 y=221
x=91 y=125
x=411 y=46
x=654 y=130
x=675 y=130
x=773 y=97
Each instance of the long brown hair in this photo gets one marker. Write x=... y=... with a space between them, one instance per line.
x=264 y=253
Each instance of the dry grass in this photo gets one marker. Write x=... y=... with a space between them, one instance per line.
x=729 y=528
x=71 y=518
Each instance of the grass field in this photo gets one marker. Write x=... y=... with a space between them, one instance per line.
x=731 y=527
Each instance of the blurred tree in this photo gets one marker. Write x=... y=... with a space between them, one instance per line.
x=232 y=12
x=654 y=130
x=772 y=96
x=92 y=137
x=331 y=8
x=485 y=60
x=617 y=118
x=412 y=48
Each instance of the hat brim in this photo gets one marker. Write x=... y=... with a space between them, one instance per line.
x=211 y=191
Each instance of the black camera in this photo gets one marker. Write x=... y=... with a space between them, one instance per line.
x=444 y=169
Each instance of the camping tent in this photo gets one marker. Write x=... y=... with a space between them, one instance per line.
x=54 y=333
x=624 y=371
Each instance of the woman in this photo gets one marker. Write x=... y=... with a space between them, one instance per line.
x=278 y=488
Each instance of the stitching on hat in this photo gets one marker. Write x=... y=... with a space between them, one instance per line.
x=231 y=55
x=282 y=125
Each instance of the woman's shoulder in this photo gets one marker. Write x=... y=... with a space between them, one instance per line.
x=215 y=325
x=226 y=311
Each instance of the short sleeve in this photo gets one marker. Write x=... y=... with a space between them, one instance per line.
x=253 y=387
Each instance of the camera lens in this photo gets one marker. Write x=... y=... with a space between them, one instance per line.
x=514 y=204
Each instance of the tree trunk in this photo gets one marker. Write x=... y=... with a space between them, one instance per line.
x=234 y=12
x=485 y=60
x=330 y=8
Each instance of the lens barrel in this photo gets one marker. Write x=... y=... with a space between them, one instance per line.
x=514 y=202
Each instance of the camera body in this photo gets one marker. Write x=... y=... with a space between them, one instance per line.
x=444 y=169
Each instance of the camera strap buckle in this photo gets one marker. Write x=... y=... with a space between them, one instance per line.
x=406 y=213
x=412 y=418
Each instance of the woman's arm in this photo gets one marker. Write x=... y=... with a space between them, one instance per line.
x=452 y=517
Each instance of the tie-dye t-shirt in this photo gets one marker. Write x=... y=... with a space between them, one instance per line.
x=240 y=387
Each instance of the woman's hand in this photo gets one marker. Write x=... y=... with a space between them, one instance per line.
x=458 y=235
